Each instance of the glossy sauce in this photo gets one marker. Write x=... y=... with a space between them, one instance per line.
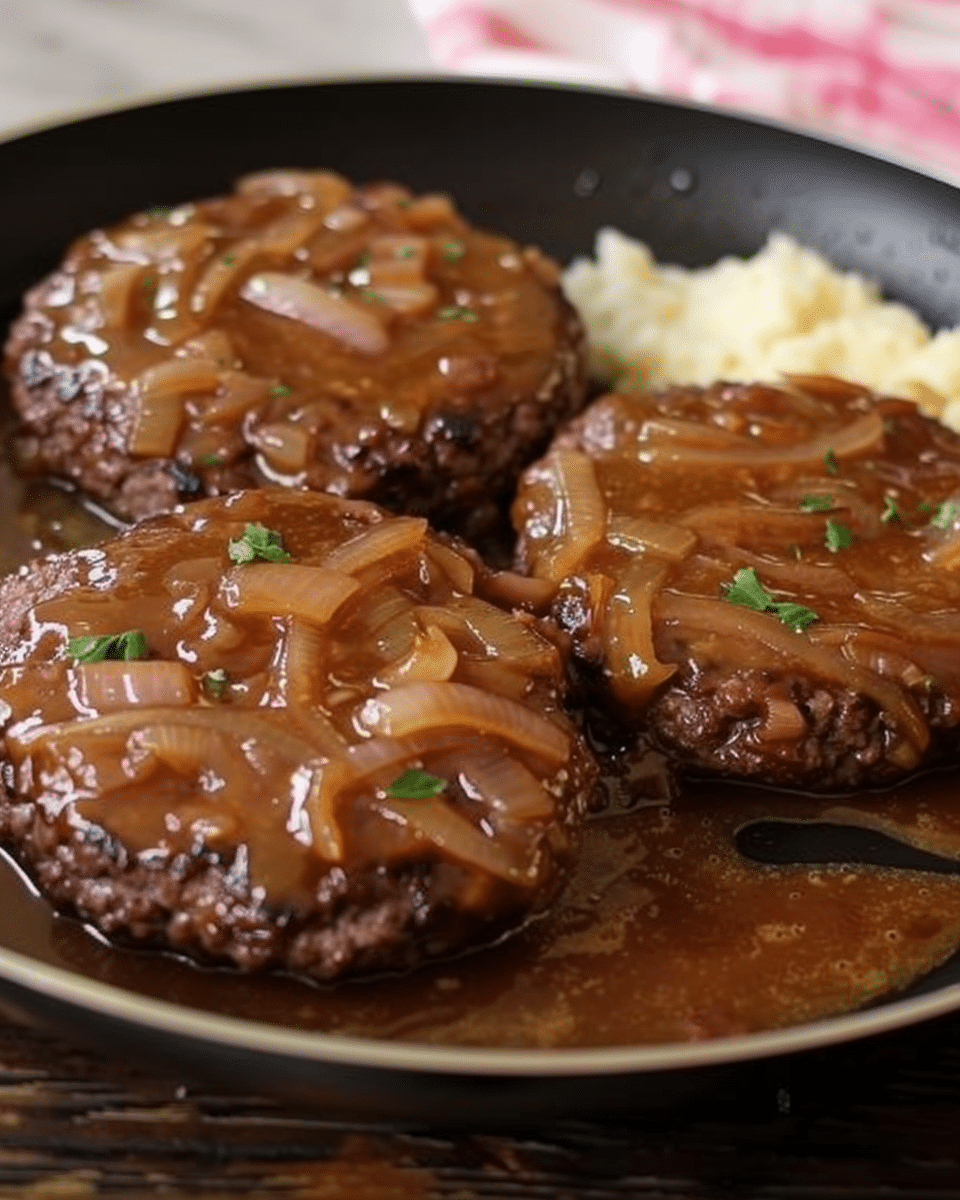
x=665 y=933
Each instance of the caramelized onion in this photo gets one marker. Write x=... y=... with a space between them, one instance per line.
x=861 y=437
x=580 y=514
x=458 y=570
x=286 y=589
x=185 y=748
x=504 y=784
x=376 y=543
x=784 y=721
x=635 y=671
x=645 y=535
x=156 y=426
x=519 y=591
x=118 y=287
x=433 y=658
x=237 y=394
x=416 y=707
x=494 y=633
x=108 y=686
x=288 y=296
x=325 y=187
x=284 y=446
x=432 y=818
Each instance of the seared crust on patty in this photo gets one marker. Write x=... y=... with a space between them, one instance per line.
x=763 y=579
x=344 y=762
x=301 y=331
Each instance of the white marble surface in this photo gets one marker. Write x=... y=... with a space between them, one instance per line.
x=58 y=57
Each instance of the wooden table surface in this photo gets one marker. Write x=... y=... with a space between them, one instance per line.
x=877 y=1119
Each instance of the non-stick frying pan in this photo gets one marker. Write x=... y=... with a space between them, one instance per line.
x=547 y=165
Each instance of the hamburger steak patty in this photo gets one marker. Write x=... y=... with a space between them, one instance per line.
x=300 y=331
x=283 y=730
x=766 y=580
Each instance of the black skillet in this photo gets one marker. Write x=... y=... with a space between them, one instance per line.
x=548 y=165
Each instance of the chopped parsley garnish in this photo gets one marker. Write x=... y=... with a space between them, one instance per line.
x=229 y=260
x=258 y=542
x=830 y=462
x=415 y=784
x=405 y=253
x=893 y=510
x=945 y=514
x=454 y=251
x=457 y=312
x=746 y=589
x=215 y=682
x=280 y=389
x=151 y=283
x=126 y=646
x=837 y=535
x=816 y=503
x=371 y=296
x=158 y=211
x=212 y=460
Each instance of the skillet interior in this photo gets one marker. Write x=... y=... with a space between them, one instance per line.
x=548 y=165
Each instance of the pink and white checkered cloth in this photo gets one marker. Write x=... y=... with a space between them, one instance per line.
x=883 y=74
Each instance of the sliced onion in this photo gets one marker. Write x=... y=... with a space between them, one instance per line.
x=580 y=515
x=237 y=394
x=496 y=634
x=411 y=299
x=433 y=658
x=178 y=377
x=424 y=212
x=160 y=396
x=881 y=652
x=631 y=660
x=284 y=445
x=286 y=589
x=305 y=651
x=489 y=675
x=320 y=804
x=326 y=187
x=397 y=259
x=862 y=436
x=830 y=386
x=118 y=288
x=735 y=523
x=440 y=824
x=186 y=749
x=416 y=707
x=108 y=686
x=299 y=300
x=645 y=535
x=695 y=434
x=457 y=568
x=392 y=536
x=213 y=346
x=519 y=591
x=505 y=785
x=164 y=244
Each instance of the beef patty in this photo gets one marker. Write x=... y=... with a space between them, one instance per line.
x=284 y=730
x=766 y=579
x=300 y=331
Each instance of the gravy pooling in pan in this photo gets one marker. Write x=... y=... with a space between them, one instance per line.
x=665 y=932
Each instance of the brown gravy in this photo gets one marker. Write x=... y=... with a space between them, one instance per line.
x=666 y=932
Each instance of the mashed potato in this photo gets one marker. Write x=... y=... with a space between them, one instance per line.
x=786 y=309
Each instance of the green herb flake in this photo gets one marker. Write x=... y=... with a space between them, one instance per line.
x=215 y=683
x=837 y=535
x=212 y=460
x=405 y=253
x=890 y=426
x=454 y=251
x=279 y=390
x=151 y=283
x=893 y=510
x=229 y=260
x=816 y=504
x=457 y=312
x=945 y=514
x=415 y=784
x=97 y=647
x=746 y=589
x=830 y=462
x=158 y=212
x=371 y=295
x=257 y=542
